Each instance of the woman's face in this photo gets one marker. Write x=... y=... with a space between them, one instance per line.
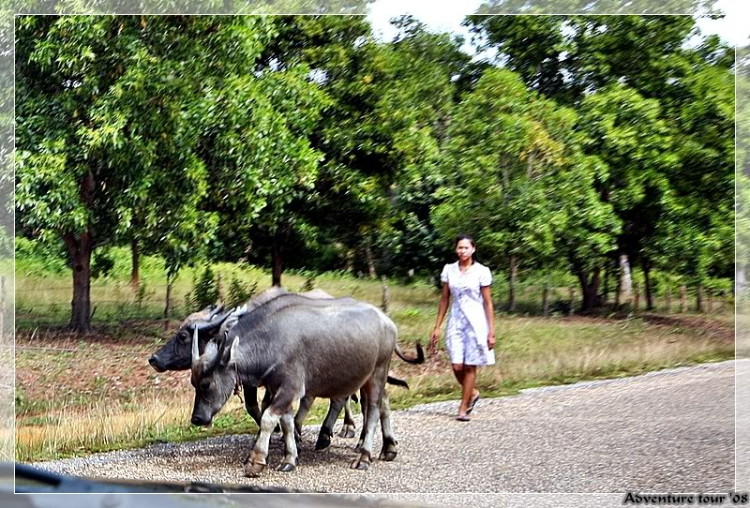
x=464 y=250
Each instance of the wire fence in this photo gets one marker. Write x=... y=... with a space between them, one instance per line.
x=121 y=303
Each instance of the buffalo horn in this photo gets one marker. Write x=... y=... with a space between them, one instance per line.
x=216 y=311
x=211 y=325
x=195 y=345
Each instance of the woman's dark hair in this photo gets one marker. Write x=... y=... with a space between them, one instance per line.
x=464 y=236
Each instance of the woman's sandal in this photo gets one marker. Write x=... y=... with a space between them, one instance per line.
x=472 y=404
x=463 y=418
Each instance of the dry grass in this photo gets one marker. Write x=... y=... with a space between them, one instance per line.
x=106 y=396
x=100 y=426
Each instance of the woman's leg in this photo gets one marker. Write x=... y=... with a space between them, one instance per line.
x=469 y=387
x=458 y=371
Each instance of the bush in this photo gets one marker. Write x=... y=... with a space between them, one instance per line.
x=103 y=264
x=240 y=292
x=309 y=284
x=205 y=291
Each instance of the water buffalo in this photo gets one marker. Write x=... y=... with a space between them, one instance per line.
x=175 y=355
x=301 y=351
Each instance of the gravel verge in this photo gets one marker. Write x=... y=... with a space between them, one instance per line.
x=667 y=431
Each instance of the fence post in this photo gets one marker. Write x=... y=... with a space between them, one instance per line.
x=572 y=298
x=683 y=298
x=637 y=296
x=699 y=298
x=669 y=299
x=166 y=304
x=386 y=296
x=545 y=298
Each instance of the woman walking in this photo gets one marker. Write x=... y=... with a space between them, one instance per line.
x=470 y=335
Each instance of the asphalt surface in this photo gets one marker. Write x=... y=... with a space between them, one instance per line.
x=669 y=431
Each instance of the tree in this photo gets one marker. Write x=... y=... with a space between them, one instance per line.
x=626 y=132
x=567 y=57
x=508 y=152
x=263 y=166
x=108 y=121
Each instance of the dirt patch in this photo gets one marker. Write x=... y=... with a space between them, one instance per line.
x=722 y=330
x=56 y=369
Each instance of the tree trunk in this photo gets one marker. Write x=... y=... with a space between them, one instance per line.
x=513 y=272
x=277 y=267
x=605 y=291
x=79 y=249
x=134 y=274
x=572 y=298
x=649 y=290
x=589 y=288
x=370 y=260
x=530 y=167
x=386 y=296
x=626 y=282
x=637 y=294
x=683 y=298
x=167 y=303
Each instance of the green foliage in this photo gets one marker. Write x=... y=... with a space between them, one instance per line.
x=240 y=292
x=141 y=295
x=309 y=284
x=205 y=291
x=305 y=139
x=32 y=257
x=103 y=264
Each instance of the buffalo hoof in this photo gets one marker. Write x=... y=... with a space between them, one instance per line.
x=387 y=456
x=254 y=469
x=347 y=431
x=323 y=443
x=360 y=464
x=285 y=467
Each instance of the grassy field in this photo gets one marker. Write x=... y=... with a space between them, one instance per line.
x=77 y=395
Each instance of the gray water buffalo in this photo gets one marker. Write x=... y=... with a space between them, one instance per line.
x=208 y=324
x=301 y=351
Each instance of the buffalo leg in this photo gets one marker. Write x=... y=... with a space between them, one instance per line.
x=363 y=405
x=305 y=404
x=251 y=402
x=290 y=458
x=326 y=430
x=281 y=405
x=389 y=451
x=372 y=390
x=267 y=398
x=347 y=430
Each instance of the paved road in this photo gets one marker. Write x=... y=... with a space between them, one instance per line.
x=670 y=431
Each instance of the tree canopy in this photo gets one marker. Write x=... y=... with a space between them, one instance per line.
x=304 y=141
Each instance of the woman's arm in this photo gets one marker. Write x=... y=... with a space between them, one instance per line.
x=442 y=309
x=489 y=311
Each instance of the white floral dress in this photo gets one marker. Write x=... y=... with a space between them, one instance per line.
x=466 y=334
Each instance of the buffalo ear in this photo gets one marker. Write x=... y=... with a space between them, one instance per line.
x=229 y=352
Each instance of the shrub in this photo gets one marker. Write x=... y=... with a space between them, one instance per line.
x=205 y=290
x=240 y=292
